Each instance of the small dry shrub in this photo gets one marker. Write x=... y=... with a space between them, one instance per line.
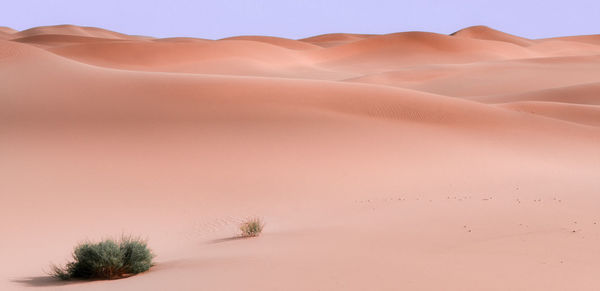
x=252 y=227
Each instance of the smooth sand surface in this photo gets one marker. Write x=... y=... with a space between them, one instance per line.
x=407 y=161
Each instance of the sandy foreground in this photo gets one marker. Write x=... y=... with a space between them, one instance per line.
x=407 y=161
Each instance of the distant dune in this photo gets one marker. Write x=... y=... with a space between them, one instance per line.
x=278 y=41
x=404 y=161
x=6 y=32
x=335 y=39
x=486 y=33
x=73 y=31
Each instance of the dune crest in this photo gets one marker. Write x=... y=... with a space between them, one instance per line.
x=278 y=41
x=73 y=30
x=8 y=30
x=335 y=39
x=487 y=33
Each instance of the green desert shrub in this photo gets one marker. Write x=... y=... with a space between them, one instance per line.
x=108 y=259
x=252 y=227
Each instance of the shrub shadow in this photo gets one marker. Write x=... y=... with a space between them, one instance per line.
x=227 y=239
x=45 y=281
x=48 y=281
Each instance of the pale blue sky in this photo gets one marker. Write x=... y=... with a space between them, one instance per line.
x=296 y=19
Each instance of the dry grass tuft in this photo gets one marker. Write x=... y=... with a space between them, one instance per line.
x=252 y=227
x=108 y=259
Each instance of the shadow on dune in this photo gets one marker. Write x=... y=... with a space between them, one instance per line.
x=222 y=240
x=45 y=281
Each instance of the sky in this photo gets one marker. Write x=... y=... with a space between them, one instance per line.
x=296 y=19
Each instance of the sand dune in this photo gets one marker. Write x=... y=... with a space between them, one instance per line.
x=182 y=39
x=475 y=80
x=586 y=94
x=592 y=39
x=278 y=41
x=373 y=101
x=412 y=160
x=6 y=32
x=335 y=39
x=486 y=33
x=74 y=31
x=57 y=40
x=398 y=50
x=170 y=56
x=578 y=113
x=558 y=48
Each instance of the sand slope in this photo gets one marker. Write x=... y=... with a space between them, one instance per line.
x=407 y=161
x=491 y=78
x=586 y=93
x=592 y=39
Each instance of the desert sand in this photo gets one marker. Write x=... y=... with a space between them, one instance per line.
x=406 y=161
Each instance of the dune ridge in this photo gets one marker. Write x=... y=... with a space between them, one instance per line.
x=403 y=161
x=7 y=30
x=73 y=30
x=487 y=33
x=279 y=41
x=334 y=39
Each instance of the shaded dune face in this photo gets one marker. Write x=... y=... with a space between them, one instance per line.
x=404 y=161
